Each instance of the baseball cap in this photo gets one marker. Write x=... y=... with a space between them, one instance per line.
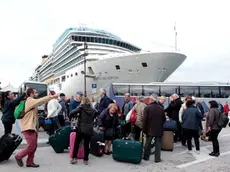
x=79 y=93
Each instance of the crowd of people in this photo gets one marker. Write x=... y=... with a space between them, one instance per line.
x=107 y=115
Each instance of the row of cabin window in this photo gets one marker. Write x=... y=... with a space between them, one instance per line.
x=104 y=41
x=215 y=92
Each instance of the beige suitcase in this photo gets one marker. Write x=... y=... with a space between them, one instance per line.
x=167 y=141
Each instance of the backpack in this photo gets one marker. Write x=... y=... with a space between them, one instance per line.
x=223 y=120
x=19 y=112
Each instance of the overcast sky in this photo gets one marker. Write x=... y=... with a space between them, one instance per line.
x=28 y=29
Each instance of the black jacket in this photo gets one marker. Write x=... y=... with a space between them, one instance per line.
x=104 y=103
x=104 y=117
x=173 y=109
x=154 y=119
x=9 y=107
x=86 y=118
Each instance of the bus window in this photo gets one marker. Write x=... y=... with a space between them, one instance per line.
x=120 y=90
x=225 y=92
x=209 y=92
x=136 y=90
x=167 y=91
x=151 y=89
x=40 y=88
x=189 y=91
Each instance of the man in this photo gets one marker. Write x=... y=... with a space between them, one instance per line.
x=173 y=113
x=63 y=113
x=153 y=126
x=162 y=101
x=127 y=106
x=104 y=102
x=76 y=101
x=29 y=127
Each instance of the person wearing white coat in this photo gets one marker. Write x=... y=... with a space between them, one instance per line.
x=53 y=109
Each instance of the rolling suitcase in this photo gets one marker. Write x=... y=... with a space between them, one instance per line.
x=167 y=141
x=80 y=154
x=97 y=145
x=60 y=140
x=8 y=144
x=127 y=151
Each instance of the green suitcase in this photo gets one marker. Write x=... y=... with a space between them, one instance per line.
x=60 y=140
x=127 y=151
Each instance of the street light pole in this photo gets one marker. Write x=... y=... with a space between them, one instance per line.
x=85 y=54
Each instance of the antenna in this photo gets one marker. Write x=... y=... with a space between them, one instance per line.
x=175 y=37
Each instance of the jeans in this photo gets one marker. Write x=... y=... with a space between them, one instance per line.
x=192 y=134
x=137 y=133
x=147 y=148
x=61 y=120
x=32 y=142
x=213 y=136
x=55 y=126
x=8 y=127
x=78 y=140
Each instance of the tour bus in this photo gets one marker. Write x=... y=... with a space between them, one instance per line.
x=205 y=92
x=40 y=87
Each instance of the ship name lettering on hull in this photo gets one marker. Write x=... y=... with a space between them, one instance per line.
x=108 y=78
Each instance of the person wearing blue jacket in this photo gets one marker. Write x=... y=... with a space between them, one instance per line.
x=191 y=119
x=9 y=104
x=76 y=101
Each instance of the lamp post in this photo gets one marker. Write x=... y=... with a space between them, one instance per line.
x=85 y=54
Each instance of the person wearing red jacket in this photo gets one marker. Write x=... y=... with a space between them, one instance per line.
x=226 y=108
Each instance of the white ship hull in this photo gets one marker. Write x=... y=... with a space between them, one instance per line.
x=159 y=67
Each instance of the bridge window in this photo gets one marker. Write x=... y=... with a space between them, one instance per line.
x=120 y=90
x=136 y=90
x=225 y=91
x=151 y=89
x=144 y=64
x=189 y=91
x=76 y=74
x=117 y=67
x=167 y=91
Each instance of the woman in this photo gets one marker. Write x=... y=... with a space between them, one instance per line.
x=182 y=109
x=109 y=123
x=9 y=104
x=85 y=115
x=212 y=124
x=191 y=119
x=140 y=115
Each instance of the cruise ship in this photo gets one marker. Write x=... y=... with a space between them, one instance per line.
x=101 y=58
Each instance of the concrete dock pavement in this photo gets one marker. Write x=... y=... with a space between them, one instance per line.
x=177 y=161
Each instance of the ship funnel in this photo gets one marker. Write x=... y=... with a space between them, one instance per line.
x=44 y=57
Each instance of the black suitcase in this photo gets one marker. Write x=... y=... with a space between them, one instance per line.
x=97 y=143
x=8 y=144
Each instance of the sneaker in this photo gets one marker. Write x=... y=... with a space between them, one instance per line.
x=198 y=152
x=190 y=151
x=85 y=162
x=19 y=162
x=73 y=161
x=33 y=165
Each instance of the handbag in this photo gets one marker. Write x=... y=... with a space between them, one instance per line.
x=133 y=116
x=170 y=125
